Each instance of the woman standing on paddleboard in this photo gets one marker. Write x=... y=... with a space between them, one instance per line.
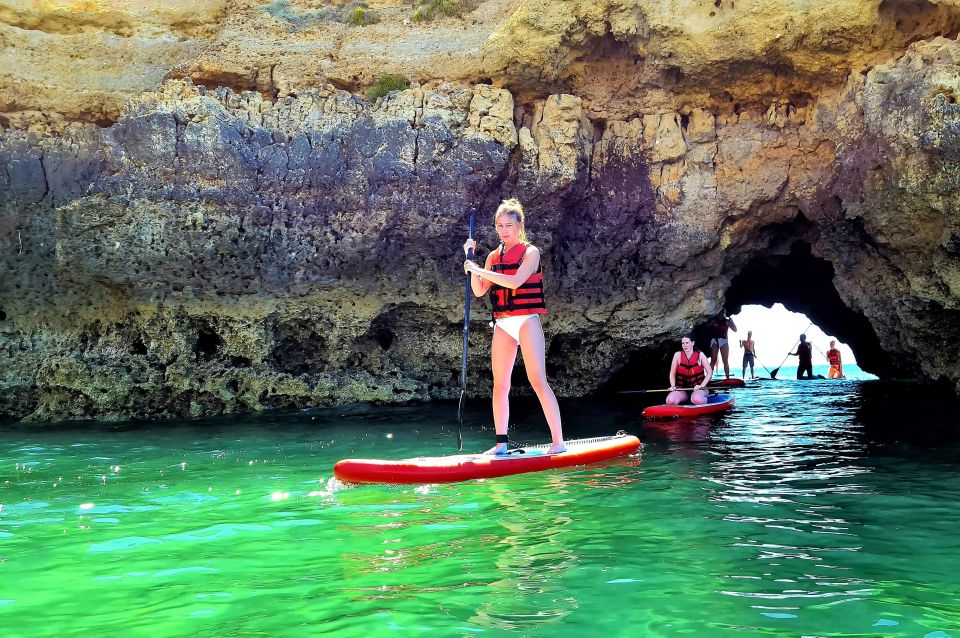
x=513 y=277
x=689 y=370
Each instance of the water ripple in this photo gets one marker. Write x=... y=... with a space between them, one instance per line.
x=788 y=516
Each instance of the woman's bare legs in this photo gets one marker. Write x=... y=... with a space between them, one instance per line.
x=534 y=359
x=699 y=397
x=503 y=354
x=676 y=397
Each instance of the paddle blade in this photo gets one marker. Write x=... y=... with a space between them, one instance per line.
x=463 y=400
x=773 y=373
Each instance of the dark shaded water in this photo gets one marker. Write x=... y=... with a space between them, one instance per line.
x=813 y=509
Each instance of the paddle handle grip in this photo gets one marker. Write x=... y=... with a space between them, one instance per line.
x=472 y=220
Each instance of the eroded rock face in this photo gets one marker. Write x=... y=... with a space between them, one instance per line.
x=899 y=193
x=216 y=251
x=82 y=61
x=624 y=58
x=323 y=225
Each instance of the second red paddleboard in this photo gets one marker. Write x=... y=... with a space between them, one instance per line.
x=715 y=403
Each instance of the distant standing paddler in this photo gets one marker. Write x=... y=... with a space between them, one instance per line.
x=805 y=353
x=749 y=354
x=836 y=365
x=513 y=276
x=719 y=326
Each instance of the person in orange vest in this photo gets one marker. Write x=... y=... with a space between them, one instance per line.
x=836 y=365
x=513 y=276
x=690 y=373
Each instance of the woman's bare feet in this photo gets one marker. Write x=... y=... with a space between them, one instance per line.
x=557 y=448
x=499 y=448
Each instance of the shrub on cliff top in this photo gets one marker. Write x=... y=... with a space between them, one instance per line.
x=387 y=83
x=430 y=9
x=355 y=13
x=361 y=16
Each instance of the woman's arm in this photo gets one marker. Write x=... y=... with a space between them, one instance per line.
x=481 y=286
x=673 y=371
x=707 y=371
x=531 y=261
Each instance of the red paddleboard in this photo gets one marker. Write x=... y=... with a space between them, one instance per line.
x=715 y=403
x=464 y=467
x=732 y=382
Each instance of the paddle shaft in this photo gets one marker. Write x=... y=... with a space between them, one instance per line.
x=662 y=390
x=466 y=343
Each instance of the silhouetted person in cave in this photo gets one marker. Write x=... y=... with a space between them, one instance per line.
x=718 y=342
x=513 y=276
x=805 y=352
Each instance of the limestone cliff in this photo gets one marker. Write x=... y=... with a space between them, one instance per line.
x=201 y=213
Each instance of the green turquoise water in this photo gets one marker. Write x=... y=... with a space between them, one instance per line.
x=812 y=509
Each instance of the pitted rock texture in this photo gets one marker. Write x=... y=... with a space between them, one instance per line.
x=208 y=251
x=225 y=233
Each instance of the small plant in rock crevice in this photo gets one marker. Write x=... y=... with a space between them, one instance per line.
x=387 y=83
x=354 y=13
x=426 y=10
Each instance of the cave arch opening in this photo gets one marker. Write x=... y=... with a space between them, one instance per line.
x=786 y=280
x=775 y=332
x=803 y=283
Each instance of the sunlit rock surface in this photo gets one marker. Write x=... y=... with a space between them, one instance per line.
x=174 y=248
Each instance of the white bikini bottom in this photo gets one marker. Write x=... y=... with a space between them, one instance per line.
x=512 y=325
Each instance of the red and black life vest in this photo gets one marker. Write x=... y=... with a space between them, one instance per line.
x=833 y=356
x=720 y=327
x=525 y=300
x=689 y=371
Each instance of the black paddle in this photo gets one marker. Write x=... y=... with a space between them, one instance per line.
x=466 y=337
x=656 y=390
x=773 y=374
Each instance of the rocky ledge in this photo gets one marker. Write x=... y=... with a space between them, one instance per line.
x=206 y=249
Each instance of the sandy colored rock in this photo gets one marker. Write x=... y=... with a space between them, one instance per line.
x=204 y=214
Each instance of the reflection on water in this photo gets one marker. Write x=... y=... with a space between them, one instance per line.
x=531 y=555
x=803 y=511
